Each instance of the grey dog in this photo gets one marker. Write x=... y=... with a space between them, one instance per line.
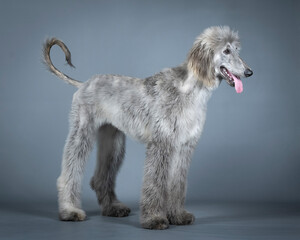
x=166 y=112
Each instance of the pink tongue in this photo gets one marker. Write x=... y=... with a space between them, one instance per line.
x=237 y=83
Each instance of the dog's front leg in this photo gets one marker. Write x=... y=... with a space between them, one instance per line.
x=154 y=192
x=179 y=165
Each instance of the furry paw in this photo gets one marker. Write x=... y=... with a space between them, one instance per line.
x=182 y=218
x=116 y=210
x=72 y=214
x=157 y=223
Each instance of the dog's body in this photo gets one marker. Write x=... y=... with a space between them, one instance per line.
x=166 y=112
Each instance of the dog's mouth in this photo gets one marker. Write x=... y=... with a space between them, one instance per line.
x=231 y=79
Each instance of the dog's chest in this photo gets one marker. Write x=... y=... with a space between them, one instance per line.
x=192 y=117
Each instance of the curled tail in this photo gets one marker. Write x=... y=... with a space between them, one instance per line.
x=47 y=60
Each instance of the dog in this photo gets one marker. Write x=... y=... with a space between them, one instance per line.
x=165 y=111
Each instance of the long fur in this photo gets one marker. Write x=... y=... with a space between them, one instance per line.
x=166 y=112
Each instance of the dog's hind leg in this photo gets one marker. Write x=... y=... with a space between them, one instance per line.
x=111 y=150
x=76 y=151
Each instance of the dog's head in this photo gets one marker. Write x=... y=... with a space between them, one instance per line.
x=215 y=56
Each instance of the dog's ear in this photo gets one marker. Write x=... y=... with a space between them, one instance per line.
x=200 y=62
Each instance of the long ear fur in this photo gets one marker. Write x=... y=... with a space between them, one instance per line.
x=200 y=62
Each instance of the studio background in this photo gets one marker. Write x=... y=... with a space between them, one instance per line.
x=249 y=150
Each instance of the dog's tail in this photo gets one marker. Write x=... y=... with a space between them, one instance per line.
x=47 y=60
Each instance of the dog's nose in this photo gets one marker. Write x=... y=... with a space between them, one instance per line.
x=248 y=72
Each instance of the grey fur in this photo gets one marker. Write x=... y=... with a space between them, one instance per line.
x=165 y=111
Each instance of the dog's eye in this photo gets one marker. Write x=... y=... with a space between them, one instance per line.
x=226 y=51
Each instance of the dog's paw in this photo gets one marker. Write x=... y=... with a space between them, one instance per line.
x=156 y=223
x=72 y=214
x=116 y=210
x=182 y=218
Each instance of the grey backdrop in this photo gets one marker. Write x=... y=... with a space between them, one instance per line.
x=249 y=150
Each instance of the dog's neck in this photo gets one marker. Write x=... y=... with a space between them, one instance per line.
x=193 y=83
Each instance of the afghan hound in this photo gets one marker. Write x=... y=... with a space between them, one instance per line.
x=165 y=111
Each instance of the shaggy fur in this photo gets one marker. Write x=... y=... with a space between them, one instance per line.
x=165 y=111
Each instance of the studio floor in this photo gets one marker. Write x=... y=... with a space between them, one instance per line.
x=213 y=221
